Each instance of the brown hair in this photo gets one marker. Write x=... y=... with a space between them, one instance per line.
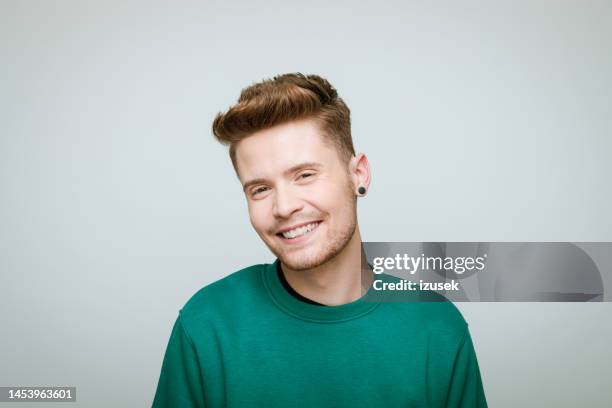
x=283 y=99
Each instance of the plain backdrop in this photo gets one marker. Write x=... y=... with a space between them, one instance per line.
x=483 y=121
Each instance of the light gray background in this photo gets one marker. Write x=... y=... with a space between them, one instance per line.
x=483 y=121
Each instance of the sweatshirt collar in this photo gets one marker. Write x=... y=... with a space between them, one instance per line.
x=315 y=313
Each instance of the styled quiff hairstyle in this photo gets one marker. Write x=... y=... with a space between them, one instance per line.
x=282 y=99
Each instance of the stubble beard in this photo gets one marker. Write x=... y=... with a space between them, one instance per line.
x=336 y=242
x=333 y=244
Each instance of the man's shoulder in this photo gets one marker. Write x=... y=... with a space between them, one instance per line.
x=226 y=293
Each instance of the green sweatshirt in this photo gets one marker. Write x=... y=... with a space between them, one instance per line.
x=244 y=341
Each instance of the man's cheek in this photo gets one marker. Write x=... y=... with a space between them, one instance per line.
x=253 y=218
x=258 y=220
x=321 y=192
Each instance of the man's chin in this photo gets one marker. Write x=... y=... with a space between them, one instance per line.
x=302 y=262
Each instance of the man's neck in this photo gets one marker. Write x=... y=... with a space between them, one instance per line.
x=336 y=282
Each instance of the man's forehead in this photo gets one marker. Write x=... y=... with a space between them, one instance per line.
x=280 y=167
x=277 y=149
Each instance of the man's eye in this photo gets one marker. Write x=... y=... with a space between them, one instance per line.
x=306 y=175
x=259 y=190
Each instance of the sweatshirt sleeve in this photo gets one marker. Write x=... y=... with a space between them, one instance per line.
x=466 y=390
x=180 y=381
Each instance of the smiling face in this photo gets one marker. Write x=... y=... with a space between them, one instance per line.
x=299 y=192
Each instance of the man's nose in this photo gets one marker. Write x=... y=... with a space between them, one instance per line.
x=286 y=202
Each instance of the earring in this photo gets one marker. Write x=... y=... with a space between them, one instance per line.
x=361 y=191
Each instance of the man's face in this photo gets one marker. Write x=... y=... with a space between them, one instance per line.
x=301 y=199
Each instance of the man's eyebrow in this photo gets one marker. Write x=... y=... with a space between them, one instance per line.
x=289 y=171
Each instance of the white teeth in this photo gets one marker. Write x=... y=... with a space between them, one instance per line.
x=297 y=232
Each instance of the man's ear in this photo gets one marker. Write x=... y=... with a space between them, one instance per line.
x=359 y=171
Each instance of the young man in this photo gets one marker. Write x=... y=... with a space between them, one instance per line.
x=299 y=332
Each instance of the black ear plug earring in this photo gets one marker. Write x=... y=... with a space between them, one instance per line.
x=361 y=190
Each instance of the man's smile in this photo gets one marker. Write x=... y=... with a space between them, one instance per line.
x=299 y=232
